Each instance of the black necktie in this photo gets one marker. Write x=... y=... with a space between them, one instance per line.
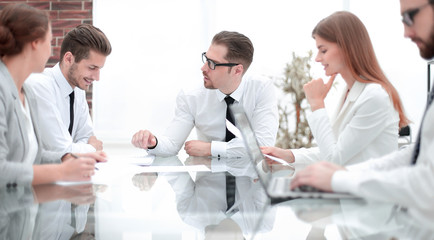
x=230 y=179
x=71 y=112
x=229 y=101
x=417 y=146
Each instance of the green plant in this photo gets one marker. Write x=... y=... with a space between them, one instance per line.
x=294 y=130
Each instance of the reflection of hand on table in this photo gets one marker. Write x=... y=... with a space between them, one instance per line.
x=77 y=194
x=192 y=160
x=144 y=181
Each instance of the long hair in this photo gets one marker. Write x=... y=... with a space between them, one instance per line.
x=20 y=24
x=348 y=32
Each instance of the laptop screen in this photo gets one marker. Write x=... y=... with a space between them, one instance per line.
x=252 y=146
x=273 y=176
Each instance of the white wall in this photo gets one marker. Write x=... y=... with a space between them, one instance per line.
x=157 y=46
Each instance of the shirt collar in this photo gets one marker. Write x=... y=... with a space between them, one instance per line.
x=355 y=91
x=236 y=95
x=61 y=81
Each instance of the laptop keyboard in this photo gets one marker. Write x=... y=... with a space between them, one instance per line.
x=283 y=184
x=306 y=188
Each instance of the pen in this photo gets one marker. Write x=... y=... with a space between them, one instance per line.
x=75 y=156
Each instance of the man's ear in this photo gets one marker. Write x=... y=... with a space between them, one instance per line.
x=68 y=59
x=239 y=69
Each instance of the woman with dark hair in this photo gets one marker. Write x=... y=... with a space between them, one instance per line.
x=25 y=46
x=368 y=116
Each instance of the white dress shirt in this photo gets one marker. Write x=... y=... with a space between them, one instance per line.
x=52 y=95
x=393 y=179
x=364 y=126
x=205 y=109
x=33 y=142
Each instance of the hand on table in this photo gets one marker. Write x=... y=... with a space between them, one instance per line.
x=198 y=148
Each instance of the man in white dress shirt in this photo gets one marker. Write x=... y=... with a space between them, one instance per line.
x=82 y=55
x=403 y=177
x=225 y=64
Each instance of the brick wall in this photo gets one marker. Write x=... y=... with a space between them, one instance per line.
x=64 y=15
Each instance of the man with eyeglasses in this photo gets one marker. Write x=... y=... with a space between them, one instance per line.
x=405 y=177
x=225 y=64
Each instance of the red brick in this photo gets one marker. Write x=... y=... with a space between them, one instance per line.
x=55 y=52
x=65 y=23
x=73 y=5
x=40 y=5
x=66 y=30
x=60 y=41
x=53 y=15
x=57 y=32
x=5 y=3
x=76 y=14
x=53 y=60
x=88 y=21
x=88 y=6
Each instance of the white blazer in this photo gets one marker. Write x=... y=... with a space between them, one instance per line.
x=365 y=125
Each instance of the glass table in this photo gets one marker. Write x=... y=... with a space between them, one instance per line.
x=171 y=204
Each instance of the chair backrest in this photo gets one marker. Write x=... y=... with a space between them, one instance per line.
x=404 y=136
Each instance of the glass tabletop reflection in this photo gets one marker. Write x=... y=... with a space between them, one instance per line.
x=141 y=204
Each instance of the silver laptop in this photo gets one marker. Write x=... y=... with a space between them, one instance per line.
x=276 y=177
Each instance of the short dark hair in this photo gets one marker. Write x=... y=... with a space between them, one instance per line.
x=83 y=38
x=240 y=48
x=21 y=24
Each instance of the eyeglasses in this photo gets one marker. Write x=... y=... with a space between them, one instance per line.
x=408 y=16
x=212 y=64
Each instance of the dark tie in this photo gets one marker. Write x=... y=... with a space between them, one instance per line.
x=229 y=101
x=230 y=179
x=417 y=146
x=71 y=112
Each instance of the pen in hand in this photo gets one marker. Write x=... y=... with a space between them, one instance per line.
x=75 y=156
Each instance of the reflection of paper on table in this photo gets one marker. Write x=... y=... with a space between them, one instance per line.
x=283 y=162
x=190 y=168
x=112 y=171
x=145 y=160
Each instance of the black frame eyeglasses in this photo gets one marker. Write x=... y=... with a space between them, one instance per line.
x=212 y=64
x=408 y=16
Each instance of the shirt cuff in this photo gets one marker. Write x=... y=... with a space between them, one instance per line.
x=297 y=154
x=344 y=181
x=314 y=116
x=218 y=149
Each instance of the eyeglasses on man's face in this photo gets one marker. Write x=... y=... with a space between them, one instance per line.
x=408 y=16
x=212 y=64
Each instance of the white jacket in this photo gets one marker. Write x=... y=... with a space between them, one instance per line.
x=364 y=126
